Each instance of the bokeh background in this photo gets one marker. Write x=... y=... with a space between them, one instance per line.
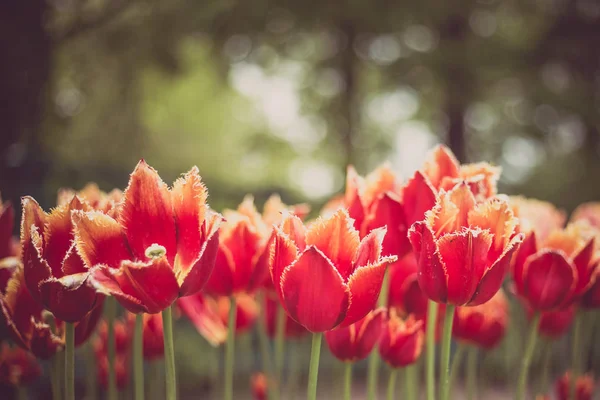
x=280 y=96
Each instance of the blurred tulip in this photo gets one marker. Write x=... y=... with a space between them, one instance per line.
x=292 y=328
x=584 y=387
x=555 y=272
x=589 y=212
x=29 y=326
x=317 y=271
x=153 y=337
x=355 y=342
x=123 y=338
x=18 y=367
x=554 y=324
x=483 y=325
x=401 y=341
x=591 y=298
x=55 y=274
x=464 y=247
x=92 y=195
x=209 y=315
x=404 y=292
x=162 y=246
x=537 y=216
x=259 y=383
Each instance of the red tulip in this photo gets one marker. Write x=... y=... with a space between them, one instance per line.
x=18 y=367
x=537 y=216
x=210 y=315
x=355 y=342
x=259 y=383
x=401 y=341
x=554 y=324
x=404 y=293
x=330 y=259
x=292 y=328
x=483 y=325
x=29 y=326
x=558 y=271
x=153 y=337
x=463 y=247
x=55 y=274
x=123 y=338
x=584 y=387
x=95 y=198
x=591 y=298
x=162 y=245
x=589 y=212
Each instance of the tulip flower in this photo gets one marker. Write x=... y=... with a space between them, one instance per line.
x=536 y=216
x=292 y=329
x=589 y=212
x=95 y=198
x=355 y=342
x=584 y=387
x=259 y=384
x=404 y=292
x=463 y=247
x=555 y=324
x=483 y=325
x=327 y=258
x=555 y=272
x=153 y=342
x=209 y=315
x=401 y=341
x=591 y=298
x=18 y=367
x=122 y=333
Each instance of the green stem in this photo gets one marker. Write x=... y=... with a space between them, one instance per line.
x=526 y=360
x=55 y=376
x=263 y=341
x=445 y=352
x=91 y=392
x=279 y=344
x=170 y=375
x=348 y=381
x=456 y=363
x=575 y=353
x=111 y=311
x=432 y=310
x=138 y=357
x=546 y=361
x=411 y=381
x=69 y=361
x=472 y=373
x=230 y=350
x=392 y=384
x=313 y=371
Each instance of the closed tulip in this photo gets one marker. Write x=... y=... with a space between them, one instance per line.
x=555 y=324
x=401 y=341
x=483 y=325
x=404 y=292
x=584 y=387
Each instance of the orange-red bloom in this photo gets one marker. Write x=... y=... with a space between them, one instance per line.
x=18 y=367
x=55 y=274
x=584 y=387
x=401 y=341
x=404 y=293
x=555 y=272
x=209 y=315
x=355 y=342
x=153 y=337
x=464 y=247
x=292 y=329
x=162 y=245
x=483 y=325
x=327 y=258
x=29 y=326
x=259 y=384
x=92 y=195
x=537 y=216
x=554 y=324
x=589 y=212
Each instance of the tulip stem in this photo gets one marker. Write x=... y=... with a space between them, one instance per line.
x=279 y=343
x=456 y=363
x=348 y=381
x=111 y=311
x=138 y=357
x=526 y=360
x=472 y=373
x=374 y=358
x=69 y=361
x=170 y=376
x=392 y=384
x=445 y=352
x=91 y=392
x=575 y=353
x=263 y=341
x=411 y=381
x=432 y=310
x=230 y=350
x=313 y=371
x=55 y=376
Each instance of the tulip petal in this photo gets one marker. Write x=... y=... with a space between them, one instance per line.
x=303 y=284
x=68 y=298
x=221 y=280
x=368 y=333
x=244 y=243
x=418 y=196
x=549 y=280
x=585 y=268
x=365 y=285
x=192 y=280
x=465 y=255
x=33 y=215
x=283 y=253
x=441 y=163
x=388 y=211
x=494 y=276
x=431 y=273
x=73 y=264
x=147 y=213
x=36 y=269
x=352 y=199
x=496 y=216
x=341 y=342
x=369 y=250
x=527 y=248
x=204 y=314
x=293 y=227
x=337 y=239
x=103 y=280
x=99 y=239
x=451 y=211
x=189 y=203
x=43 y=343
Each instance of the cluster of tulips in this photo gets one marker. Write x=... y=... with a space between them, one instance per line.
x=397 y=266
